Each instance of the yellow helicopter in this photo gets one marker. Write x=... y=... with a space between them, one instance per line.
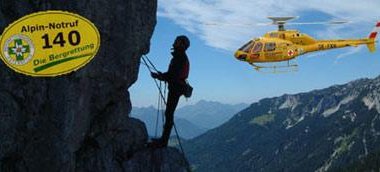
x=285 y=45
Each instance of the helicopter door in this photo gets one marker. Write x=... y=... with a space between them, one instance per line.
x=255 y=52
x=270 y=46
x=269 y=50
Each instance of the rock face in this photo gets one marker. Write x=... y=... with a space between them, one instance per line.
x=157 y=160
x=79 y=121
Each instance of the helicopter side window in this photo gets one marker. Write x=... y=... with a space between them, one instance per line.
x=246 y=47
x=258 y=46
x=270 y=46
x=273 y=35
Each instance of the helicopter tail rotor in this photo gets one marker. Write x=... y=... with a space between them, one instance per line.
x=372 y=37
x=375 y=31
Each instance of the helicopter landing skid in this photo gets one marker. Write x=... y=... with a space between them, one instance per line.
x=276 y=69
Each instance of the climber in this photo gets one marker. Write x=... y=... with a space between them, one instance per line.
x=176 y=78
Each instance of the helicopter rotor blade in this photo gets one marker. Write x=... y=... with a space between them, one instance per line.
x=318 y=23
x=305 y=23
x=227 y=24
x=265 y=24
x=271 y=24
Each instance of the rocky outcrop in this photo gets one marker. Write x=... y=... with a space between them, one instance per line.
x=79 y=121
x=168 y=159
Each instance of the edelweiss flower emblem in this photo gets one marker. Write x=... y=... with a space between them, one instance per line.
x=18 y=49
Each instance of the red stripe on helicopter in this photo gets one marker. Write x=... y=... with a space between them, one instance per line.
x=378 y=24
x=373 y=35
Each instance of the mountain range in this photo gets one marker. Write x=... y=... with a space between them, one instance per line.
x=209 y=114
x=190 y=120
x=321 y=130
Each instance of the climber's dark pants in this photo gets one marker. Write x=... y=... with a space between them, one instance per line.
x=173 y=98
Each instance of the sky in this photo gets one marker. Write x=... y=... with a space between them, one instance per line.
x=217 y=28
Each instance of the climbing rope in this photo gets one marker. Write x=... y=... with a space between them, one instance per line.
x=150 y=66
x=158 y=113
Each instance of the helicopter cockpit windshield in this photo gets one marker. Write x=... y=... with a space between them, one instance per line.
x=246 y=47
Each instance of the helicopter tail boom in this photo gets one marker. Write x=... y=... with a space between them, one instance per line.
x=372 y=37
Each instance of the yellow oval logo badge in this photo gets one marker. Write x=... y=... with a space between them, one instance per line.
x=49 y=43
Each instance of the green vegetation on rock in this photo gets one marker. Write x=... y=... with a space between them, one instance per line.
x=263 y=119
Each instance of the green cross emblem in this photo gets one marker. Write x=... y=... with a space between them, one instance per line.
x=19 y=50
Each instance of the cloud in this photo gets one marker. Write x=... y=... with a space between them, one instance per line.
x=348 y=53
x=316 y=54
x=194 y=15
